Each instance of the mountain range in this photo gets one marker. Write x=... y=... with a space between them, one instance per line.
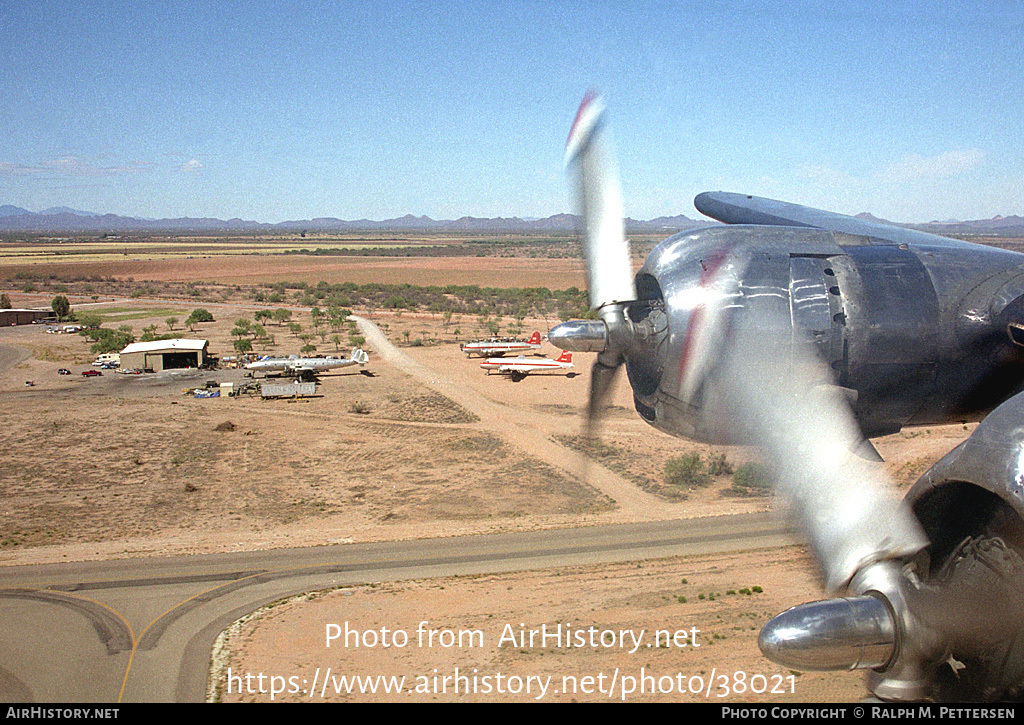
x=997 y=226
x=64 y=219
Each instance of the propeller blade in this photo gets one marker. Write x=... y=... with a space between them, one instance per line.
x=804 y=424
x=602 y=377
x=743 y=372
x=861 y=536
x=609 y=274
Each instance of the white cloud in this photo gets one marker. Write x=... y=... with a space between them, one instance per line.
x=913 y=188
x=912 y=168
x=191 y=165
x=932 y=168
x=72 y=166
x=9 y=169
x=828 y=175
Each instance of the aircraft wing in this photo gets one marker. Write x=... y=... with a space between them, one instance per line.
x=533 y=368
x=731 y=208
x=518 y=368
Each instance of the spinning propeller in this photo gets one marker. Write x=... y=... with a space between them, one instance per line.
x=723 y=352
x=609 y=273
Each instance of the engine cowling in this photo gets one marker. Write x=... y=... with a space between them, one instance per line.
x=871 y=309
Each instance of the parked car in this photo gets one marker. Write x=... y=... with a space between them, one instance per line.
x=63 y=371
x=91 y=373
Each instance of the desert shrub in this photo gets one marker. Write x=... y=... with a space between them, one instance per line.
x=752 y=479
x=718 y=465
x=686 y=471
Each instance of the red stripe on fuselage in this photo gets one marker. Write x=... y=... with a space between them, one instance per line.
x=711 y=267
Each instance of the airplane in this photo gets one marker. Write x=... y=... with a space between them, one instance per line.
x=307 y=367
x=485 y=348
x=806 y=333
x=518 y=368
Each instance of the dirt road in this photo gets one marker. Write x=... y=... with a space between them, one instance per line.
x=495 y=417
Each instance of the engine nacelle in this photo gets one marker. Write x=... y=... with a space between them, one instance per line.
x=944 y=625
x=971 y=506
x=870 y=308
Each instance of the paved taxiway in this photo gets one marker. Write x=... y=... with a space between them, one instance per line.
x=142 y=630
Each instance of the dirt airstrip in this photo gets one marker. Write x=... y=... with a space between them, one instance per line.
x=121 y=466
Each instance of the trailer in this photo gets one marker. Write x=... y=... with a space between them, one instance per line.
x=287 y=390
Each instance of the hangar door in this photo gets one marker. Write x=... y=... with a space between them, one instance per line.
x=176 y=360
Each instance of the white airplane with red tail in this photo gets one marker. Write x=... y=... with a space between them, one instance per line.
x=518 y=368
x=485 y=348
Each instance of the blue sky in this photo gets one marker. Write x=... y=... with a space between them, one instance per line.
x=291 y=110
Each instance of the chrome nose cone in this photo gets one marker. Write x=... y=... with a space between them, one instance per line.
x=580 y=335
x=833 y=634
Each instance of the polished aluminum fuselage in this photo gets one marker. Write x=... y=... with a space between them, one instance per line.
x=914 y=332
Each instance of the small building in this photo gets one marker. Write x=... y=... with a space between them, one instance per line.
x=164 y=355
x=9 y=317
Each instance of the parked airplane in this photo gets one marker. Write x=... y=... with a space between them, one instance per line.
x=495 y=347
x=304 y=367
x=804 y=331
x=518 y=368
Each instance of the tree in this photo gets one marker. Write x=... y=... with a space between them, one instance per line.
x=242 y=328
x=88 y=319
x=242 y=346
x=61 y=306
x=196 y=316
x=171 y=322
x=110 y=341
x=5 y=302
